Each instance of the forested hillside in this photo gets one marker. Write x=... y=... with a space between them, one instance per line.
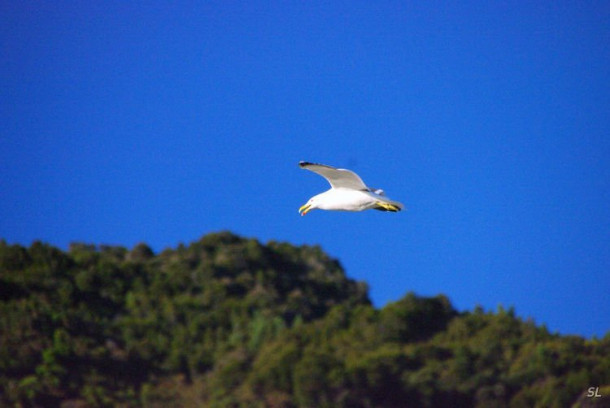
x=230 y=322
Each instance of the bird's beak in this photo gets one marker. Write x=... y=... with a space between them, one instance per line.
x=304 y=209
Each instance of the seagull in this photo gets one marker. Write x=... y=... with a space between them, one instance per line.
x=347 y=193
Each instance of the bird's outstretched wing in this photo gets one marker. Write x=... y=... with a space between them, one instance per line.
x=338 y=178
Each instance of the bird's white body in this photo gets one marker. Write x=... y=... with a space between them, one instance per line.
x=348 y=192
x=343 y=199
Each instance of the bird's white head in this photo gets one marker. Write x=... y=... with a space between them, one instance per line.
x=312 y=204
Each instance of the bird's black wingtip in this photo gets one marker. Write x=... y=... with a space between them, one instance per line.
x=304 y=163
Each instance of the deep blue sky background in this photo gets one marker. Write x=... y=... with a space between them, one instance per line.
x=124 y=122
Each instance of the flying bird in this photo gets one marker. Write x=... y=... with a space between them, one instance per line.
x=347 y=193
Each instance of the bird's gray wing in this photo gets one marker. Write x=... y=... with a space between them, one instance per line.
x=338 y=178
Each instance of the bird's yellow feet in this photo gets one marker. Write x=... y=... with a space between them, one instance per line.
x=387 y=207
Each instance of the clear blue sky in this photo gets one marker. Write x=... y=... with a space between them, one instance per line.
x=124 y=122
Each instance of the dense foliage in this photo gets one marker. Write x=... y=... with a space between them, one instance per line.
x=229 y=322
